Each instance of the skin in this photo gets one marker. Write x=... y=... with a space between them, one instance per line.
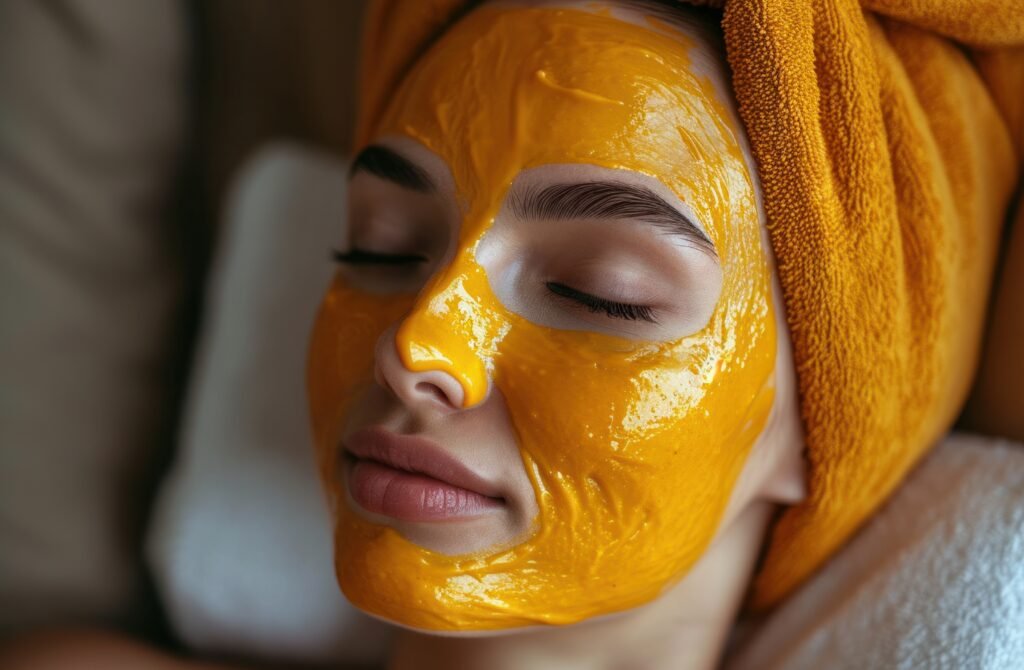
x=686 y=627
x=632 y=436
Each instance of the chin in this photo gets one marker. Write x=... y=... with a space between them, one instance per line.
x=512 y=630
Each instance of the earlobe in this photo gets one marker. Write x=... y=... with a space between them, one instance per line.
x=787 y=483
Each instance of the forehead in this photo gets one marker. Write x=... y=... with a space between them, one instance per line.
x=511 y=87
x=613 y=65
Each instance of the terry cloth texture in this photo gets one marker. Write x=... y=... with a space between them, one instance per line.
x=933 y=580
x=884 y=136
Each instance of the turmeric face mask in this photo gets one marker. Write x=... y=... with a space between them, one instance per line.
x=632 y=439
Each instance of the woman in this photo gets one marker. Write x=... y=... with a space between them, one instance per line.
x=556 y=250
x=552 y=387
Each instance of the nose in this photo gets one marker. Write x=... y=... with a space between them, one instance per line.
x=428 y=389
x=441 y=352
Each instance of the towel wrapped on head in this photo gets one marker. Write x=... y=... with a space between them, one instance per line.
x=888 y=137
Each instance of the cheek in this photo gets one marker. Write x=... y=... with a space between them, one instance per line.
x=644 y=444
x=340 y=363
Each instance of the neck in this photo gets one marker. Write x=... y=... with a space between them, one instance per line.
x=685 y=628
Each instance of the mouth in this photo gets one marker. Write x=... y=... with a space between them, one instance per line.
x=411 y=478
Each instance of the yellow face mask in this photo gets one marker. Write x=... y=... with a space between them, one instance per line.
x=632 y=447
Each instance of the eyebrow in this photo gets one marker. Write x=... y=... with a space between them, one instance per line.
x=386 y=164
x=608 y=200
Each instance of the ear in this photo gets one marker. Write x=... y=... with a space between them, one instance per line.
x=786 y=480
x=786 y=483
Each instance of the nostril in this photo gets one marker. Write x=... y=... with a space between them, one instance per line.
x=426 y=388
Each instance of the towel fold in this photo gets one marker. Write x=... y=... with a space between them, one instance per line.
x=933 y=580
x=888 y=139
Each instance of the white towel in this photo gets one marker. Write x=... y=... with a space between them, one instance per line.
x=935 y=581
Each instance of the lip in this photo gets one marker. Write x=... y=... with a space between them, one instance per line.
x=411 y=478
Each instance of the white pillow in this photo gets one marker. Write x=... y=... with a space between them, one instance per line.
x=240 y=544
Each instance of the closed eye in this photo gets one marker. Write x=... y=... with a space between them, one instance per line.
x=616 y=310
x=363 y=257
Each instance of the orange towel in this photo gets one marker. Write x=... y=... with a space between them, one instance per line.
x=887 y=156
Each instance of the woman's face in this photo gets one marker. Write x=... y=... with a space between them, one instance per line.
x=549 y=348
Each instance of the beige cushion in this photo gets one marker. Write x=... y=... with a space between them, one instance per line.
x=91 y=128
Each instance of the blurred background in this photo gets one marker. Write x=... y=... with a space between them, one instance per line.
x=122 y=123
x=138 y=331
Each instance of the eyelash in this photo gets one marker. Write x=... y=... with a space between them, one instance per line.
x=362 y=257
x=616 y=310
